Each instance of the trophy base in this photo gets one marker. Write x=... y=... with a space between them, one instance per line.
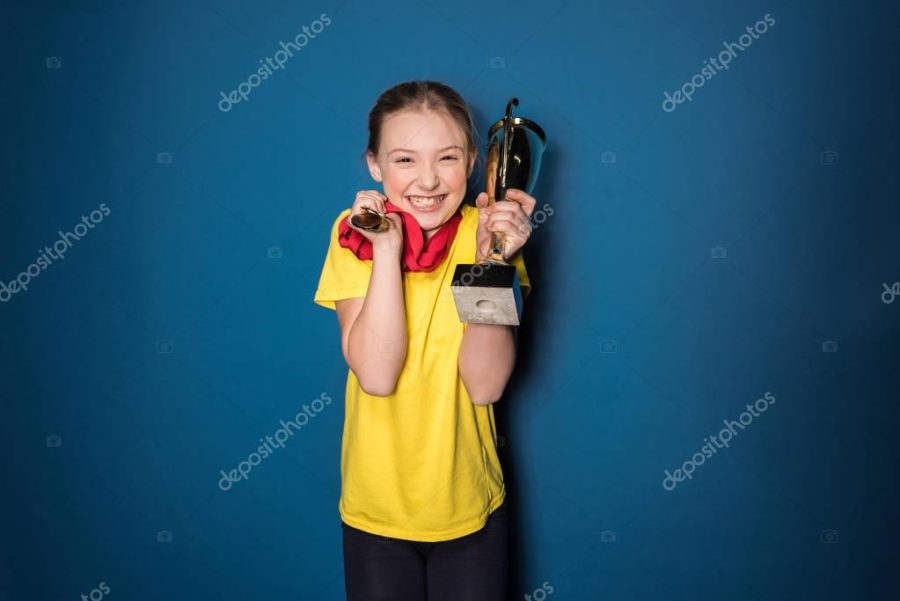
x=487 y=293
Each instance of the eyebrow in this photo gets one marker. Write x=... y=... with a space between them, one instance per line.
x=414 y=152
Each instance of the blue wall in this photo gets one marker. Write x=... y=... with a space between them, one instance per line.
x=734 y=245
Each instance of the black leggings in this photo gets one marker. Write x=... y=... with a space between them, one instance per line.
x=470 y=568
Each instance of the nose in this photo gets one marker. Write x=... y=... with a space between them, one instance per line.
x=428 y=178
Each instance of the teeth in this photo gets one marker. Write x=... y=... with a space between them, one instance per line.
x=426 y=202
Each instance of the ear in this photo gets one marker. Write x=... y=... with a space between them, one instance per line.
x=374 y=169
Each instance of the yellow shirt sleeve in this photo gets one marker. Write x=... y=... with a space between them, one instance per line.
x=343 y=275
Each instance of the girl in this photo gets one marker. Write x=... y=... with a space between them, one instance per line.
x=422 y=495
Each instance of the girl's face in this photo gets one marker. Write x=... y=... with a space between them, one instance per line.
x=423 y=165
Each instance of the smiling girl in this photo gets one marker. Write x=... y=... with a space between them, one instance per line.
x=422 y=494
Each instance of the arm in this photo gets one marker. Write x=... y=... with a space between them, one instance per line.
x=487 y=354
x=373 y=329
x=486 y=360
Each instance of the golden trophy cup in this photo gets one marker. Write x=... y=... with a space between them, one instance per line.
x=489 y=292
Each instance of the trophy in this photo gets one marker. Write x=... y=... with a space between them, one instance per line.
x=489 y=292
x=370 y=220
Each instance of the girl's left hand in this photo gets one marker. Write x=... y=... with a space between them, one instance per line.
x=510 y=216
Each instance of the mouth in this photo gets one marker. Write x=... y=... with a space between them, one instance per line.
x=426 y=203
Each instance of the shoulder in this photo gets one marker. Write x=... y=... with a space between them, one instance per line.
x=336 y=224
x=340 y=217
x=469 y=216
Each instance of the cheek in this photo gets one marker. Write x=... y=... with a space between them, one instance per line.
x=396 y=179
x=456 y=178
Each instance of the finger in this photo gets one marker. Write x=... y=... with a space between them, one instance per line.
x=484 y=206
x=370 y=199
x=513 y=233
x=376 y=196
x=395 y=219
x=517 y=216
x=509 y=222
x=527 y=201
x=506 y=209
x=368 y=194
x=507 y=216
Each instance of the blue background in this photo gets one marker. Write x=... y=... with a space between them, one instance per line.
x=786 y=162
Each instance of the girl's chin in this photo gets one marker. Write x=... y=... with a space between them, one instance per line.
x=431 y=224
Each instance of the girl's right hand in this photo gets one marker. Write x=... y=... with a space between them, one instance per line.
x=392 y=238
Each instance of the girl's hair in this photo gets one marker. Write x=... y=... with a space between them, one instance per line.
x=421 y=95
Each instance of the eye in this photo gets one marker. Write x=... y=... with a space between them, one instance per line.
x=403 y=160
x=450 y=156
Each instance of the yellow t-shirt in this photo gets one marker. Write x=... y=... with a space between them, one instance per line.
x=420 y=464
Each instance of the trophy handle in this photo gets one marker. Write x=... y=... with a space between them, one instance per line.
x=498 y=239
x=498 y=248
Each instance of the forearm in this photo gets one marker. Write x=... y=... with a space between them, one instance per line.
x=487 y=356
x=378 y=339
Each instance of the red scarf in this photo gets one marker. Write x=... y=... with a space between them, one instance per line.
x=418 y=254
